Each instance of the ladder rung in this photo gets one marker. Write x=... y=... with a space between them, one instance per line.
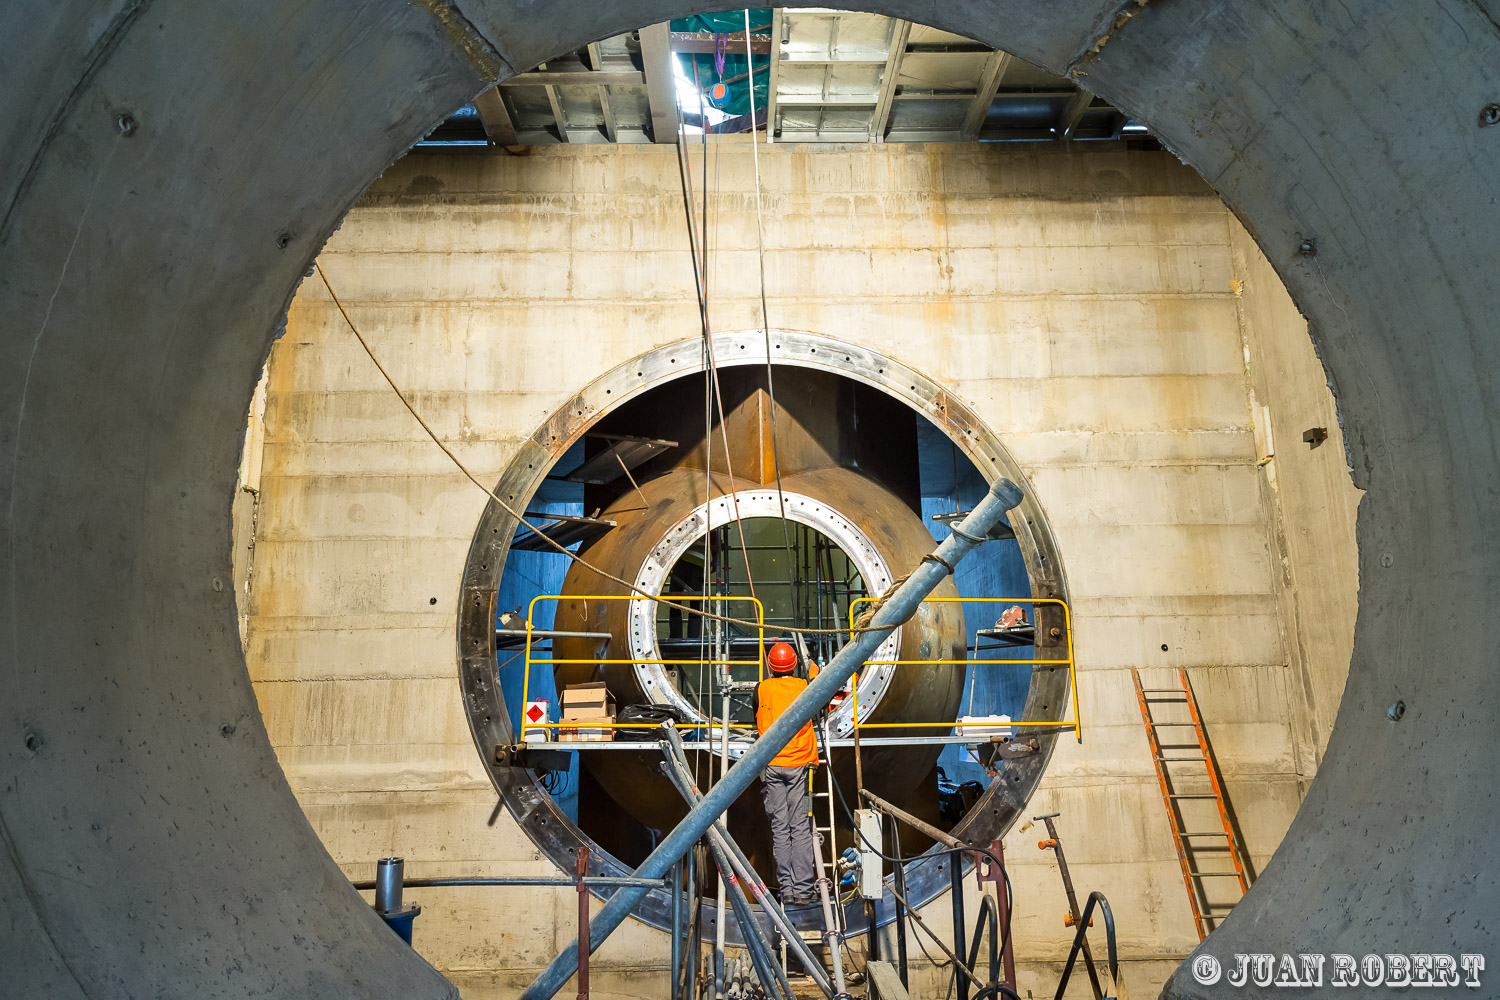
x=1192 y=796
x=1213 y=874
x=1163 y=725
x=1162 y=690
x=1205 y=833
x=1182 y=760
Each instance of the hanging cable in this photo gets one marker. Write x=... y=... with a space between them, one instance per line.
x=700 y=269
x=520 y=518
x=765 y=323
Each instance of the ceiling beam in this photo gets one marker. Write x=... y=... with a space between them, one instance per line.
x=984 y=95
x=661 y=87
x=900 y=34
x=558 y=115
x=778 y=29
x=1073 y=114
x=611 y=126
x=496 y=119
x=576 y=77
x=706 y=43
x=832 y=100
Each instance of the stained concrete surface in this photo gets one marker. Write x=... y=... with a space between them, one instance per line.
x=1092 y=305
x=142 y=270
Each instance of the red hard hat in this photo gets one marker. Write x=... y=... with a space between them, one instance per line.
x=781 y=659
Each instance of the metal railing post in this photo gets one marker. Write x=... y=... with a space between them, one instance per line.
x=583 y=923
x=1003 y=496
x=956 y=873
x=1095 y=899
x=900 y=882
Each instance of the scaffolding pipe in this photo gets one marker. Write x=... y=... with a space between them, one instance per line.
x=921 y=826
x=831 y=936
x=755 y=941
x=890 y=613
x=676 y=769
x=723 y=762
x=677 y=908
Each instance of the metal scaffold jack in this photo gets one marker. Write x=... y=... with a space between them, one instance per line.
x=892 y=612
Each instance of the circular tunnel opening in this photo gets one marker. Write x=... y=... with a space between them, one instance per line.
x=799 y=576
x=810 y=492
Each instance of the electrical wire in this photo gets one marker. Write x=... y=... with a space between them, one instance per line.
x=533 y=529
x=896 y=836
x=700 y=278
x=519 y=517
x=765 y=322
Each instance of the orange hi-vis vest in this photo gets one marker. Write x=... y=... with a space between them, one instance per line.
x=774 y=695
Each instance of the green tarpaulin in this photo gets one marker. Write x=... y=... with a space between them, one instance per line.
x=735 y=74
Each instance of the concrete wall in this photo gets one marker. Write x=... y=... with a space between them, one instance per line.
x=1103 y=312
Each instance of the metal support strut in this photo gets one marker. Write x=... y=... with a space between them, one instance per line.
x=1054 y=844
x=892 y=612
x=676 y=768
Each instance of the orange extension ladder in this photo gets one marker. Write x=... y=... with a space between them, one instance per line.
x=1192 y=845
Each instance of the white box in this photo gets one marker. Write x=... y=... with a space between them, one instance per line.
x=980 y=728
x=871 y=867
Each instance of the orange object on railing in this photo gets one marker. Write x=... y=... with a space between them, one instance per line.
x=1076 y=723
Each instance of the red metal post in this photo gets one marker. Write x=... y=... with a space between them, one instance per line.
x=583 y=924
x=990 y=867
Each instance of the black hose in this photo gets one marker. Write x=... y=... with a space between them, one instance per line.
x=996 y=990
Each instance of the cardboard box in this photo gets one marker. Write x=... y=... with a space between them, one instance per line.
x=587 y=729
x=587 y=701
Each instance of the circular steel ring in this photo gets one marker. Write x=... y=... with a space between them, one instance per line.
x=549 y=828
x=802 y=509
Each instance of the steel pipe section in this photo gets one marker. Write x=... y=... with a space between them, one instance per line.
x=538 y=814
x=171 y=171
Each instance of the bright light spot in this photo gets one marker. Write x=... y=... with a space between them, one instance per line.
x=692 y=100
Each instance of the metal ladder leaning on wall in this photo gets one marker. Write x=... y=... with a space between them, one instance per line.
x=1192 y=844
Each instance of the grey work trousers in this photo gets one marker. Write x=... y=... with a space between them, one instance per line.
x=784 y=791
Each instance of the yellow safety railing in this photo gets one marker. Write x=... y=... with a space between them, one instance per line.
x=760 y=622
x=1076 y=723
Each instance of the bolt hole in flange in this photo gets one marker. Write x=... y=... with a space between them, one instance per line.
x=658 y=511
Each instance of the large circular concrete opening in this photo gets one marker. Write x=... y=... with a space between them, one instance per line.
x=140 y=828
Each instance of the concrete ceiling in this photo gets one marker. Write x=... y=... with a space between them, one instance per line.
x=834 y=76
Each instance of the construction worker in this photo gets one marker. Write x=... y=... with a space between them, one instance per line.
x=785 y=782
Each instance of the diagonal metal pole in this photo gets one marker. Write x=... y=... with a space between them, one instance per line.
x=759 y=949
x=890 y=613
x=676 y=768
